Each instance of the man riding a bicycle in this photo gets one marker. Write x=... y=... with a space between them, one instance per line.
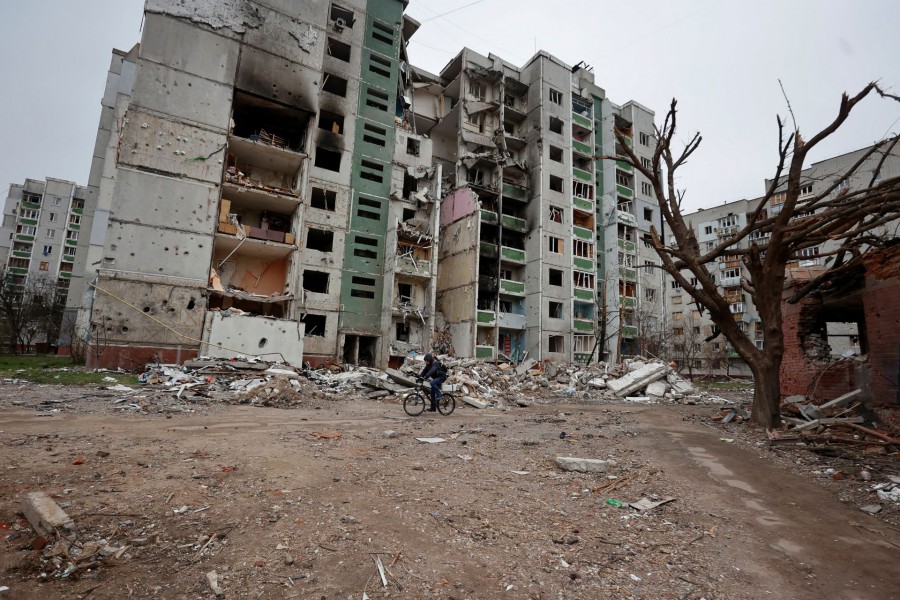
x=438 y=373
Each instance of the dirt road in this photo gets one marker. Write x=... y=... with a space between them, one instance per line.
x=301 y=503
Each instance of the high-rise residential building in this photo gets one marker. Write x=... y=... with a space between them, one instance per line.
x=43 y=233
x=525 y=269
x=711 y=225
x=266 y=189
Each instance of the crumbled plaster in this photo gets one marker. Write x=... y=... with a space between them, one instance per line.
x=236 y=15
x=306 y=39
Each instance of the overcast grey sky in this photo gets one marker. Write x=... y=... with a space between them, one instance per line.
x=722 y=59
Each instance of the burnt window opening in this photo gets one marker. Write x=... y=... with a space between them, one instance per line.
x=371 y=171
x=328 y=159
x=341 y=17
x=555 y=310
x=410 y=185
x=556 y=277
x=339 y=50
x=323 y=199
x=383 y=33
x=648 y=214
x=556 y=183
x=319 y=239
x=556 y=154
x=556 y=125
x=315 y=325
x=556 y=343
x=412 y=146
x=408 y=213
x=375 y=135
x=402 y=332
x=379 y=66
x=262 y=120
x=315 y=281
x=335 y=85
x=376 y=99
x=332 y=122
x=404 y=293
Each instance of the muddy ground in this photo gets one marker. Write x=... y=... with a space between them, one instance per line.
x=301 y=503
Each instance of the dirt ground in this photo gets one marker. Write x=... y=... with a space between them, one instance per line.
x=301 y=503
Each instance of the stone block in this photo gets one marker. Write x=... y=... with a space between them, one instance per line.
x=637 y=379
x=584 y=465
x=657 y=388
x=44 y=514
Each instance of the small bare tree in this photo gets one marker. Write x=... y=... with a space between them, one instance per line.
x=848 y=218
x=28 y=309
x=687 y=343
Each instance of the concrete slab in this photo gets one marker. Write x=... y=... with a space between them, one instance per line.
x=401 y=378
x=637 y=379
x=657 y=389
x=474 y=402
x=44 y=514
x=843 y=400
x=525 y=366
x=583 y=465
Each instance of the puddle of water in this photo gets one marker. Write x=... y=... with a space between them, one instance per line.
x=741 y=485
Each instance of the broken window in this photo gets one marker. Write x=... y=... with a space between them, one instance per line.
x=269 y=122
x=556 y=154
x=646 y=163
x=404 y=293
x=556 y=125
x=315 y=281
x=328 y=159
x=412 y=146
x=627 y=288
x=556 y=214
x=365 y=252
x=555 y=310
x=556 y=343
x=646 y=188
x=555 y=277
x=341 y=17
x=408 y=213
x=371 y=171
x=476 y=89
x=334 y=85
x=315 y=325
x=583 y=279
x=324 y=199
x=339 y=50
x=359 y=292
x=556 y=183
x=648 y=214
x=44 y=266
x=644 y=138
x=332 y=122
x=582 y=249
x=555 y=96
x=319 y=239
x=402 y=332
x=554 y=245
x=649 y=294
x=410 y=185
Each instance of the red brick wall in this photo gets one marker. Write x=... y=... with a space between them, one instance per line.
x=134 y=358
x=881 y=303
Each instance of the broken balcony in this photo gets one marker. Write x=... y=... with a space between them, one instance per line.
x=413 y=259
x=515 y=190
x=511 y=314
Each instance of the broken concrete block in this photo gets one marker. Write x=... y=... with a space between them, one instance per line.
x=44 y=514
x=525 y=366
x=639 y=399
x=795 y=399
x=811 y=412
x=679 y=385
x=843 y=400
x=598 y=383
x=378 y=394
x=583 y=465
x=657 y=388
x=637 y=379
x=872 y=509
x=401 y=378
x=474 y=402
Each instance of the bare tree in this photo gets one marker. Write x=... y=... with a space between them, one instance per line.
x=687 y=343
x=29 y=308
x=848 y=218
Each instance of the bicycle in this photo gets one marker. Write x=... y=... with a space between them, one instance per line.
x=414 y=402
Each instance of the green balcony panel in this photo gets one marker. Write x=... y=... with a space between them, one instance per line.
x=484 y=352
x=627 y=301
x=627 y=274
x=488 y=216
x=514 y=223
x=33 y=205
x=582 y=325
x=68 y=259
x=582 y=232
x=18 y=271
x=486 y=317
x=581 y=174
x=582 y=148
x=512 y=287
x=65 y=274
x=582 y=204
x=71 y=242
x=624 y=166
x=584 y=294
x=585 y=264
x=488 y=250
x=419 y=268
x=22 y=253
x=24 y=221
x=629 y=331
x=582 y=121
x=581 y=357
x=77 y=211
x=624 y=192
x=514 y=191
x=21 y=237
x=74 y=226
x=512 y=254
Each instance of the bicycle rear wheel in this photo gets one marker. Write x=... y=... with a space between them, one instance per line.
x=446 y=404
x=414 y=404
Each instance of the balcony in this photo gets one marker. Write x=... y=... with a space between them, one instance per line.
x=257 y=199
x=486 y=318
x=25 y=221
x=484 y=352
x=31 y=205
x=514 y=191
x=74 y=227
x=626 y=218
x=582 y=148
x=624 y=192
x=407 y=265
x=629 y=331
x=627 y=301
x=68 y=259
x=513 y=255
x=21 y=253
x=488 y=216
x=77 y=211
x=583 y=325
x=582 y=204
x=621 y=164
x=511 y=321
x=489 y=250
x=627 y=274
x=582 y=174
x=18 y=271
x=584 y=294
x=22 y=237
x=263 y=165
x=585 y=264
x=514 y=223
x=582 y=232
x=582 y=121
x=65 y=274
x=72 y=243
x=258 y=248
x=730 y=282
x=627 y=246
x=507 y=286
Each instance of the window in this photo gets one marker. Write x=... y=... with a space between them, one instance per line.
x=676 y=299
x=375 y=135
x=402 y=332
x=729 y=221
x=53 y=217
x=341 y=17
x=360 y=292
x=328 y=159
x=707 y=230
x=45 y=266
x=556 y=125
x=581 y=279
x=51 y=233
x=556 y=277
x=332 y=122
x=55 y=201
x=323 y=199
x=554 y=245
x=648 y=240
x=623 y=179
x=476 y=89
x=476 y=119
x=648 y=213
x=644 y=138
x=677 y=316
x=675 y=285
x=583 y=190
x=556 y=343
x=556 y=154
x=334 y=85
x=379 y=66
x=26 y=229
x=27 y=213
x=556 y=183
x=71 y=235
x=315 y=325
x=646 y=163
x=582 y=248
x=649 y=295
x=315 y=281
x=584 y=344
x=48 y=250
x=74 y=219
x=319 y=239
x=806 y=190
x=693 y=282
x=367 y=252
x=646 y=188
x=731 y=273
x=339 y=50
x=366 y=204
x=556 y=214
x=412 y=146
x=69 y=251
x=382 y=33
x=555 y=310
x=555 y=96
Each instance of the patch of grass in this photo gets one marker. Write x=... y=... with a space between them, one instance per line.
x=50 y=368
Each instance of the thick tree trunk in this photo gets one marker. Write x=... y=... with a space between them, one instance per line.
x=766 y=410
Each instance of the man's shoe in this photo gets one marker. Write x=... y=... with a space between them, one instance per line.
x=432 y=409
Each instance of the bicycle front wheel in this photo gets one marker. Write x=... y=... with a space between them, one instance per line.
x=414 y=404
x=446 y=404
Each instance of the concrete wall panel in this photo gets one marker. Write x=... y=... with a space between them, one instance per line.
x=166 y=202
x=228 y=337
x=180 y=45
x=277 y=79
x=158 y=251
x=183 y=96
x=295 y=38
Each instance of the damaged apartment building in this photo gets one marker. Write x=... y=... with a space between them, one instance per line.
x=539 y=234
x=261 y=188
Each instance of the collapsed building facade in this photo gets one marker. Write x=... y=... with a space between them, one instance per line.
x=263 y=190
